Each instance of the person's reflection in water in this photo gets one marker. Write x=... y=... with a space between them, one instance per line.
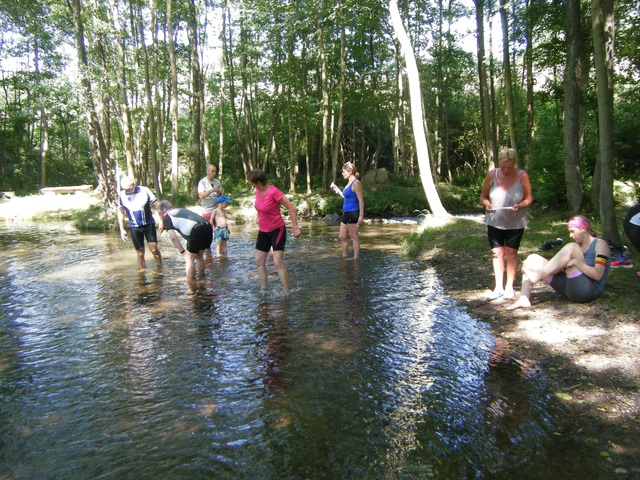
x=508 y=404
x=145 y=291
x=202 y=294
x=273 y=347
x=353 y=295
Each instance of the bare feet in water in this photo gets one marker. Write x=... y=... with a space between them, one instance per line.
x=522 y=302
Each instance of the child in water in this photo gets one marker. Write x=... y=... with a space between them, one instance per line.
x=219 y=221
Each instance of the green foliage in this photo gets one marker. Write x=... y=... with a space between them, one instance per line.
x=389 y=199
x=546 y=167
x=94 y=218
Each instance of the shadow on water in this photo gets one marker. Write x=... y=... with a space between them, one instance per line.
x=366 y=370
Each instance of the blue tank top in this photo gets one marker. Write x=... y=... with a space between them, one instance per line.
x=590 y=259
x=350 y=199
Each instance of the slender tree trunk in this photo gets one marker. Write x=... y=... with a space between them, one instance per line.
x=337 y=139
x=416 y=113
x=506 y=67
x=221 y=106
x=174 y=100
x=149 y=93
x=528 y=60
x=325 y=106
x=157 y=102
x=485 y=103
x=227 y=44
x=196 y=97
x=572 y=102
x=44 y=121
x=125 y=115
x=603 y=44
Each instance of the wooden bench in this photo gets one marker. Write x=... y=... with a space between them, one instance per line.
x=66 y=190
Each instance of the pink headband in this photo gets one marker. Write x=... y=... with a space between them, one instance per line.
x=578 y=222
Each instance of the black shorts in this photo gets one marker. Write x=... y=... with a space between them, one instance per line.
x=504 y=238
x=200 y=238
x=350 y=217
x=632 y=231
x=276 y=239
x=138 y=234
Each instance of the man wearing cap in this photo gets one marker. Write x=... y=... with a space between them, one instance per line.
x=208 y=190
x=194 y=228
x=135 y=202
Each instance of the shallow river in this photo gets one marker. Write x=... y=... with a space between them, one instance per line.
x=366 y=370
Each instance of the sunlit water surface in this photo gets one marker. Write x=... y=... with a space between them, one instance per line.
x=366 y=370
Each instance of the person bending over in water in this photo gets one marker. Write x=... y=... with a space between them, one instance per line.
x=578 y=271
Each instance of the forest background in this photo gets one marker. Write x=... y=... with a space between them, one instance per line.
x=94 y=89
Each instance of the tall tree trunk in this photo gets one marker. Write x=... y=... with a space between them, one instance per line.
x=174 y=100
x=572 y=102
x=157 y=100
x=125 y=114
x=245 y=153
x=422 y=152
x=325 y=106
x=149 y=92
x=221 y=105
x=485 y=103
x=603 y=46
x=506 y=69
x=105 y=175
x=196 y=97
x=398 y=123
x=528 y=60
x=44 y=121
x=338 y=133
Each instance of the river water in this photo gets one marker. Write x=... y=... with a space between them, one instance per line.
x=366 y=370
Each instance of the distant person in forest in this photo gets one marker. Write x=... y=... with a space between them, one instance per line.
x=631 y=225
x=194 y=228
x=220 y=227
x=578 y=271
x=135 y=202
x=271 y=230
x=208 y=190
x=506 y=194
x=352 y=208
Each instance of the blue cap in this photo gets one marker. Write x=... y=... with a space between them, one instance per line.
x=222 y=198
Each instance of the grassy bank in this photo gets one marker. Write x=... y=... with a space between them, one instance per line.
x=460 y=250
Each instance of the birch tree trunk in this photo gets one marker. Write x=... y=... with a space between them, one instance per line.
x=416 y=113
x=174 y=101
